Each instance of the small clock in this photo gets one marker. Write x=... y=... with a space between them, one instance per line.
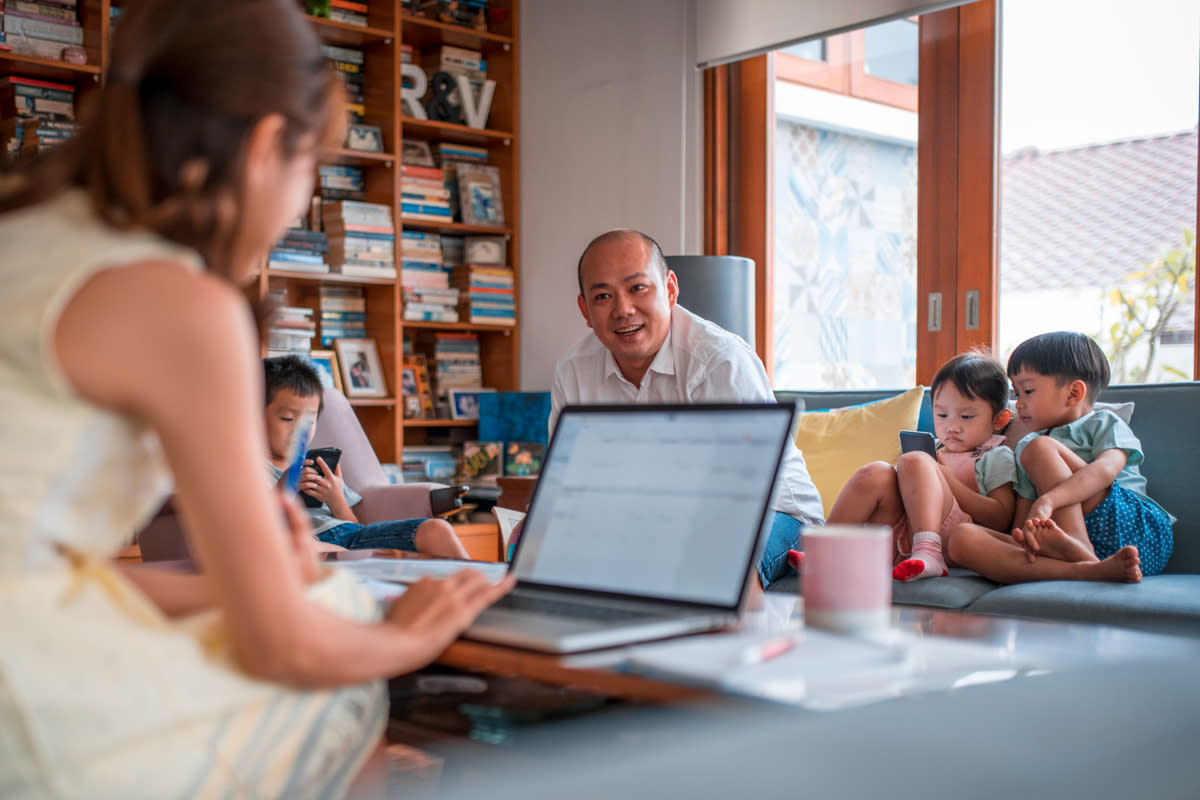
x=484 y=249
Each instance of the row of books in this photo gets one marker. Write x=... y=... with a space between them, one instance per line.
x=456 y=363
x=350 y=12
x=350 y=62
x=300 y=250
x=42 y=28
x=291 y=331
x=424 y=194
x=342 y=311
x=341 y=182
x=487 y=293
x=35 y=113
x=468 y=13
x=425 y=279
x=362 y=238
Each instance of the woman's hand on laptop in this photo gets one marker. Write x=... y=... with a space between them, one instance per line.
x=434 y=611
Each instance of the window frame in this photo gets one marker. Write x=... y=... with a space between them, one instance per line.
x=958 y=154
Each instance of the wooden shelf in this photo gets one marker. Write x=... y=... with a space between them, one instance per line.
x=440 y=423
x=423 y=32
x=452 y=227
x=328 y=277
x=452 y=131
x=46 y=68
x=458 y=326
x=372 y=402
x=353 y=35
x=344 y=155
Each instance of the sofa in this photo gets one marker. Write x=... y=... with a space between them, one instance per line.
x=1163 y=420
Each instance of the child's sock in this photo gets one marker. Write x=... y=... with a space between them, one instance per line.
x=926 y=561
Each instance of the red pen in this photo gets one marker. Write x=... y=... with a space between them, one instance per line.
x=767 y=650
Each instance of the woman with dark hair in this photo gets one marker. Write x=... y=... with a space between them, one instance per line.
x=128 y=355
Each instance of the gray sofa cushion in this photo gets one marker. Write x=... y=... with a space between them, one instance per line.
x=1164 y=603
x=956 y=591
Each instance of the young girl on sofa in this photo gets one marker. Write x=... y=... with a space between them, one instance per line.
x=923 y=499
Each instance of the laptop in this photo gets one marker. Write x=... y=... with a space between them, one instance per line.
x=647 y=522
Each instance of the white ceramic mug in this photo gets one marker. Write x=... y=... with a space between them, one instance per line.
x=848 y=577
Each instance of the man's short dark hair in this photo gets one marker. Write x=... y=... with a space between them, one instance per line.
x=293 y=373
x=656 y=253
x=1066 y=356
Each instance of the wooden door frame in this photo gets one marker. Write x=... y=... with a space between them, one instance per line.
x=957 y=168
x=738 y=180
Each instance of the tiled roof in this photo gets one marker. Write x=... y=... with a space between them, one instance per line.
x=1088 y=216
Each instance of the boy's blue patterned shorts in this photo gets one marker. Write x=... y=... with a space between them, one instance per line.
x=1126 y=517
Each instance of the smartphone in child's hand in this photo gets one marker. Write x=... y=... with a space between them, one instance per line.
x=331 y=456
x=918 y=441
x=301 y=435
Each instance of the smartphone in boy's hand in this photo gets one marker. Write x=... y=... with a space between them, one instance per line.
x=919 y=441
x=331 y=456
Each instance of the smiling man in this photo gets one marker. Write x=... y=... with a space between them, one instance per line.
x=644 y=348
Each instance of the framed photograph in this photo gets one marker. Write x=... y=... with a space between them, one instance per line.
x=479 y=195
x=416 y=153
x=481 y=461
x=409 y=392
x=484 y=250
x=464 y=403
x=362 y=370
x=523 y=458
x=326 y=365
x=420 y=404
x=367 y=138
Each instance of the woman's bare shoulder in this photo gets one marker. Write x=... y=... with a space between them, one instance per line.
x=131 y=325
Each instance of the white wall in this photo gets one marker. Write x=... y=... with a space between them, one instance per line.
x=611 y=136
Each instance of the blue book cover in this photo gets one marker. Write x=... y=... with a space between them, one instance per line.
x=425 y=208
x=514 y=416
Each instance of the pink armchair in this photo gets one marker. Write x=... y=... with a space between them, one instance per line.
x=163 y=538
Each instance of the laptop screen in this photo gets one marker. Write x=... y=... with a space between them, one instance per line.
x=656 y=501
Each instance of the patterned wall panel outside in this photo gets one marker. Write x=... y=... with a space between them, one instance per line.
x=845 y=260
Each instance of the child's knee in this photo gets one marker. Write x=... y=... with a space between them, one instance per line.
x=1038 y=450
x=437 y=537
x=876 y=477
x=913 y=461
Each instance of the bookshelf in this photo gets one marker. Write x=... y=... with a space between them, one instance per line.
x=389 y=27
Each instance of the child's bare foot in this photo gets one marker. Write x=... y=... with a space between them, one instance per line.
x=1028 y=537
x=1123 y=566
x=1044 y=537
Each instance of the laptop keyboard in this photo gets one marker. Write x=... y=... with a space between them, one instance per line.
x=566 y=608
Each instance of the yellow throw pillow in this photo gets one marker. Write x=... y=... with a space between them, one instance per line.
x=837 y=442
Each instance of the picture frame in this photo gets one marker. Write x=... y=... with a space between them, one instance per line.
x=422 y=408
x=416 y=153
x=479 y=194
x=361 y=367
x=464 y=403
x=481 y=461
x=484 y=250
x=325 y=362
x=365 y=138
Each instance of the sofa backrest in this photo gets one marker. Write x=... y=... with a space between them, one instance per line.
x=1166 y=421
x=1166 y=418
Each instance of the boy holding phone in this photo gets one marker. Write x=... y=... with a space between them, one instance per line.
x=293 y=389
